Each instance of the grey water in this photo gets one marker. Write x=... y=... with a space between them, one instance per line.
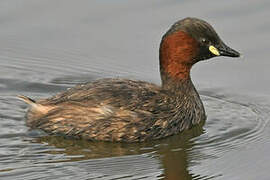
x=49 y=46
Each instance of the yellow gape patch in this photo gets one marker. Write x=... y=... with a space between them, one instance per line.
x=214 y=50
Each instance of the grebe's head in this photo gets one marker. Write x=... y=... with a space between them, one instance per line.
x=187 y=42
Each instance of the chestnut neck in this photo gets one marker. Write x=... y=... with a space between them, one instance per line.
x=176 y=56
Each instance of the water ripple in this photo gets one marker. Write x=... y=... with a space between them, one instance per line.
x=230 y=124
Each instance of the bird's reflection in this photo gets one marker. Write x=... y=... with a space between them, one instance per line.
x=172 y=153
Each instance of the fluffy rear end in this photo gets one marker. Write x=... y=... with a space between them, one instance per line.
x=35 y=111
x=27 y=100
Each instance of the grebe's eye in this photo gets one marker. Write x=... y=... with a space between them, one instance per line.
x=204 y=41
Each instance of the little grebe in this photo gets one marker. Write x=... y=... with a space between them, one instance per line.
x=131 y=111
